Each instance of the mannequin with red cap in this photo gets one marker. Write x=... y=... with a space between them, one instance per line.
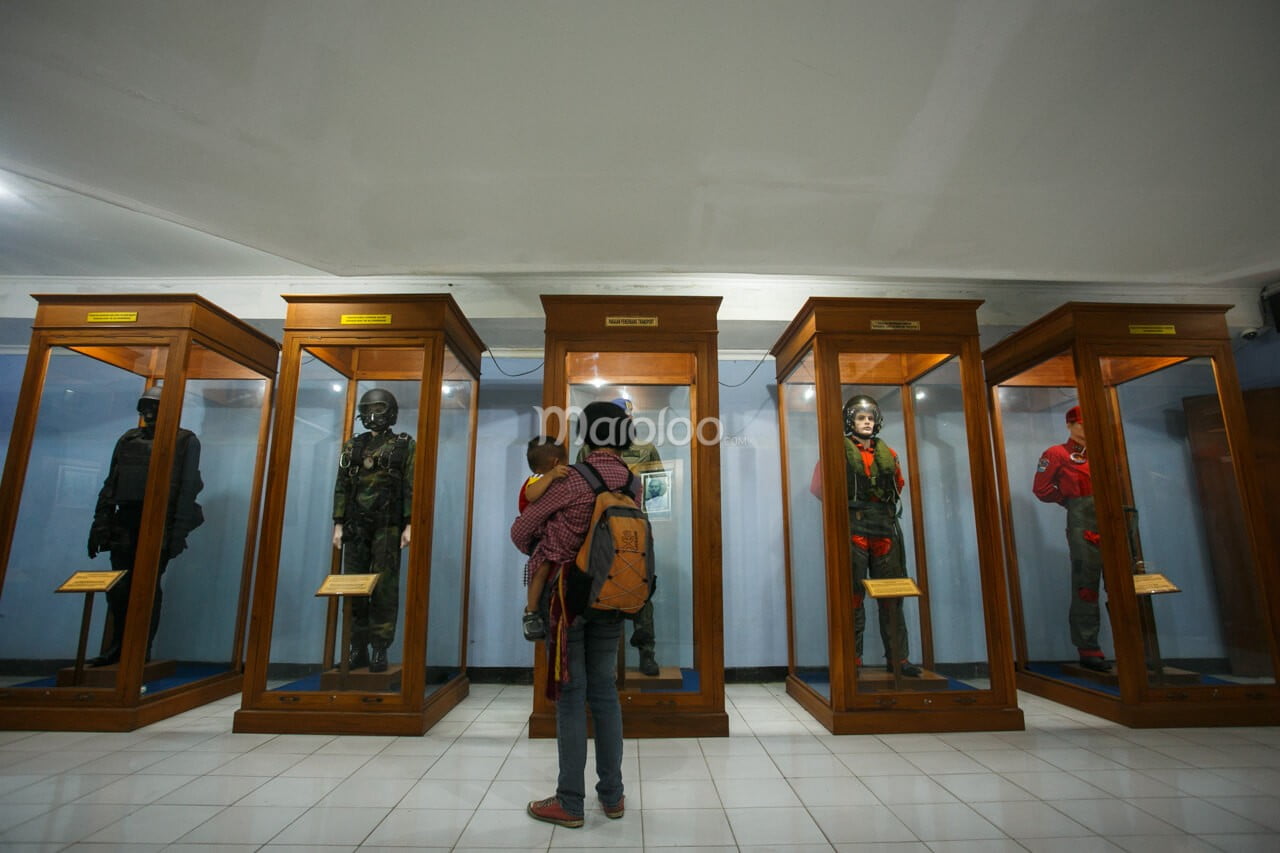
x=1062 y=477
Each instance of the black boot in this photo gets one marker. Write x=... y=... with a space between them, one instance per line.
x=359 y=656
x=378 y=660
x=1094 y=663
x=648 y=663
x=110 y=656
x=908 y=669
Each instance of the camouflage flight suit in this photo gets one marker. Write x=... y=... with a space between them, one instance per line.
x=372 y=500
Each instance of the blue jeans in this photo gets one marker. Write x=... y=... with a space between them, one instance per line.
x=593 y=664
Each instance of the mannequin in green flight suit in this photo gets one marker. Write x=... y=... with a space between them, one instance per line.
x=372 y=503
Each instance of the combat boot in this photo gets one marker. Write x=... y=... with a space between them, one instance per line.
x=378 y=660
x=648 y=663
x=359 y=656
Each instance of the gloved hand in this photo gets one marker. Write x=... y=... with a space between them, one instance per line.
x=99 y=540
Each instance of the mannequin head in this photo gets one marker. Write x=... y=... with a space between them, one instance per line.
x=149 y=407
x=862 y=418
x=1075 y=425
x=377 y=410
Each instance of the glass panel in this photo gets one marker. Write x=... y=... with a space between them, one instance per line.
x=1051 y=508
x=944 y=560
x=1186 y=522
x=660 y=456
x=806 y=541
x=210 y=505
x=307 y=635
x=88 y=416
x=449 y=524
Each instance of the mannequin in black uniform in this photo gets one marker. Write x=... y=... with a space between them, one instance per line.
x=118 y=515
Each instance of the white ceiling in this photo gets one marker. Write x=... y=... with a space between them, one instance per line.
x=1112 y=141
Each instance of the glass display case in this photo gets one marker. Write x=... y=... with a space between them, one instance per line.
x=361 y=599
x=126 y=583
x=657 y=357
x=895 y=600
x=1143 y=574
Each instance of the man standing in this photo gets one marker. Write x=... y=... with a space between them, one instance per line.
x=118 y=515
x=582 y=643
x=372 y=503
x=1062 y=477
x=640 y=457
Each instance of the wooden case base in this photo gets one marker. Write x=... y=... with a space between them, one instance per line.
x=73 y=717
x=105 y=676
x=976 y=718
x=363 y=680
x=366 y=722
x=1172 y=675
x=1245 y=706
x=879 y=680
x=668 y=678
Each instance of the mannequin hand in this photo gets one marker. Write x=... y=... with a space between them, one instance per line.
x=337 y=536
x=98 y=541
x=405 y=537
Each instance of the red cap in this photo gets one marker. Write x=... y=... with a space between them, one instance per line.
x=1073 y=415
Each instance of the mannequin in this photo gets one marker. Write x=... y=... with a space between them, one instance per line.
x=874 y=483
x=372 y=501
x=118 y=515
x=1062 y=477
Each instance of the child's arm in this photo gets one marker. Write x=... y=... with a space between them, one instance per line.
x=538 y=487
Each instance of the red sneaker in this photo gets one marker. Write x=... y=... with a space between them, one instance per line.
x=551 y=811
x=615 y=811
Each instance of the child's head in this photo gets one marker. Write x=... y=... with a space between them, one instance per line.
x=545 y=453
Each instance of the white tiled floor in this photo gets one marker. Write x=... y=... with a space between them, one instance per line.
x=1071 y=782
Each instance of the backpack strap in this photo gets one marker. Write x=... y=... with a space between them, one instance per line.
x=596 y=482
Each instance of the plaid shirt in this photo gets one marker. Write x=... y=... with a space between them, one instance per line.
x=565 y=511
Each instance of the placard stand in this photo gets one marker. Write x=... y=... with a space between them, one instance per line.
x=346 y=588
x=88 y=583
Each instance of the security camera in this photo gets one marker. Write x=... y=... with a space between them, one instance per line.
x=1250 y=334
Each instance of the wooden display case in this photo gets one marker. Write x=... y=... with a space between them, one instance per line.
x=1189 y=575
x=919 y=360
x=660 y=354
x=299 y=676
x=91 y=358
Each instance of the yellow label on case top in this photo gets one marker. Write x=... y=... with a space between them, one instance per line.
x=348 y=585
x=366 y=319
x=642 y=322
x=895 y=325
x=891 y=588
x=1152 y=329
x=1152 y=584
x=90 y=582
x=112 y=317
